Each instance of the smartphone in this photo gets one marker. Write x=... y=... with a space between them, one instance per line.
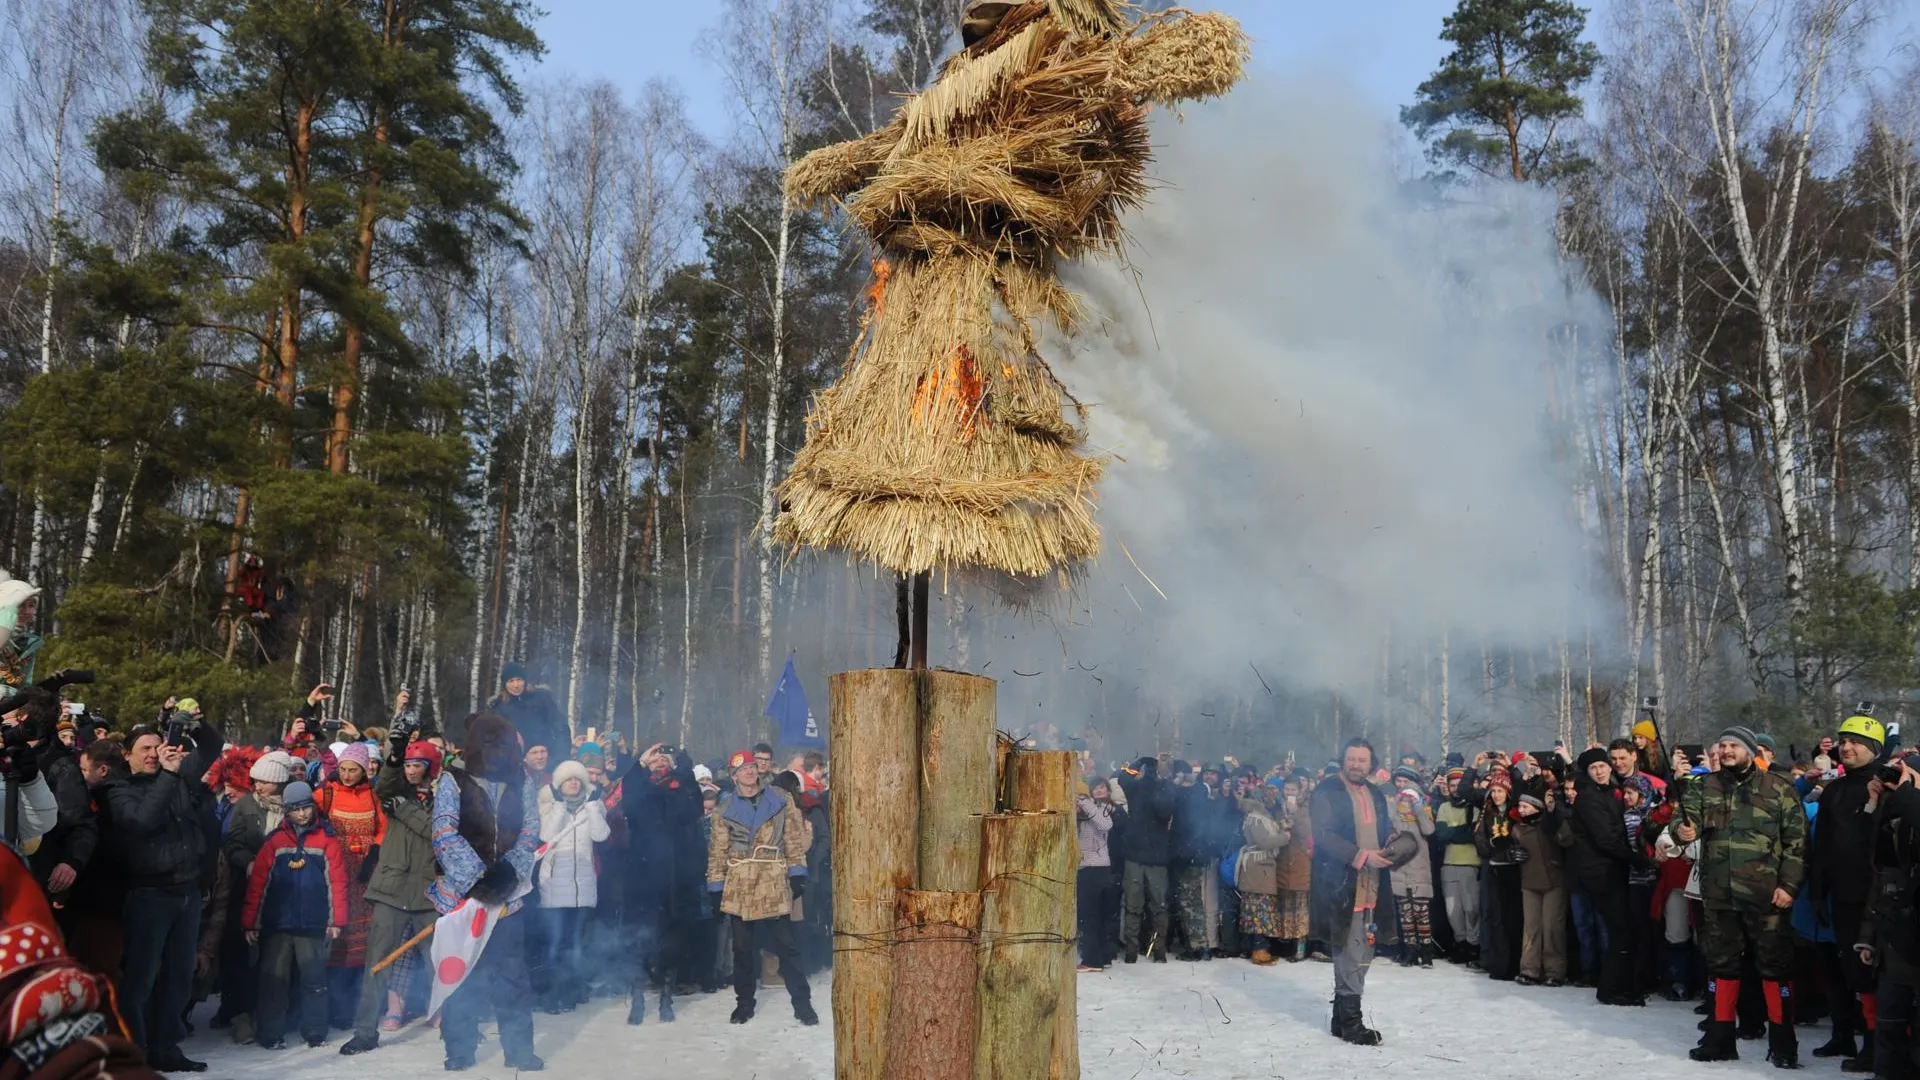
x=1695 y=752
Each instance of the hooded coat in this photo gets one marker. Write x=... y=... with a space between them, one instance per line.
x=568 y=876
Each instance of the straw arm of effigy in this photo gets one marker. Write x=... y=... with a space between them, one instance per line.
x=1182 y=56
x=835 y=170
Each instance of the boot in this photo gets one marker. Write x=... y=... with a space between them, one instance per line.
x=1842 y=1043
x=1298 y=952
x=1426 y=954
x=742 y=1013
x=1131 y=955
x=666 y=1003
x=1718 y=1044
x=637 y=1008
x=360 y=1044
x=1349 y=1025
x=1863 y=1062
x=803 y=1012
x=1783 y=1046
x=525 y=1062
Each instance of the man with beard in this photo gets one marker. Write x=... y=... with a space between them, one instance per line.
x=1352 y=893
x=1753 y=833
x=661 y=802
x=486 y=827
x=1841 y=843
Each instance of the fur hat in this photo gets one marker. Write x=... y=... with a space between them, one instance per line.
x=1401 y=848
x=492 y=747
x=571 y=770
x=271 y=768
x=1592 y=756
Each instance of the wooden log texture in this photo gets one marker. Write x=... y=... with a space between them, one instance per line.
x=875 y=805
x=1027 y=877
x=957 y=769
x=1003 y=749
x=933 y=1022
x=1046 y=780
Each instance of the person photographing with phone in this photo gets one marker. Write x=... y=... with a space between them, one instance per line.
x=1888 y=943
x=1753 y=834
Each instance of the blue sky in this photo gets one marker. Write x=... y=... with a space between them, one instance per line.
x=1385 y=47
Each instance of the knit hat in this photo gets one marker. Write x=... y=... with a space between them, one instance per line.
x=702 y=774
x=271 y=769
x=1457 y=772
x=1822 y=763
x=1456 y=760
x=356 y=753
x=64 y=725
x=511 y=672
x=297 y=795
x=1500 y=778
x=1405 y=773
x=338 y=749
x=429 y=753
x=1533 y=801
x=1766 y=742
x=588 y=749
x=1645 y=730
x=1743 y=735
x=1591 y=756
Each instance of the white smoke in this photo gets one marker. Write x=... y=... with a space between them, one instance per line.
x=1331 y=391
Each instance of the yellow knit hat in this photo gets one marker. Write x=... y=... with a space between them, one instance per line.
x=1645 y=730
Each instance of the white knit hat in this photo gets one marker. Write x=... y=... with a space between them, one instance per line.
x=271 y=768
x=571 y=770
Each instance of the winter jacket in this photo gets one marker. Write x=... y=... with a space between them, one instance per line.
x=1843 y=843
x=1753 y=835
x=1453 y=829
x=159 y=819
x=1546 y=837
x=406 y=866
x=1195 y=825
x=666 y=856
x=758 y=844
x=536 y=715
x=75 y=833
x=1601 y=853
x=247 y=827
x=1095 y=823
x=1891 y=924
x=1294 y=870
x=298 y=882
x=567 y=875
x=1150 y=805
x=461 y=867
x=1412 y=815
x=1267 y=841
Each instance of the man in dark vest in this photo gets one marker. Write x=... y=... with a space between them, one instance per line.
x=486 y=827
x=1351 y=895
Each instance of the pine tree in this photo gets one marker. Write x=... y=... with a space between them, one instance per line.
x=1498 y=101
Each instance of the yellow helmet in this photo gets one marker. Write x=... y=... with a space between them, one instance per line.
x=1865 y=728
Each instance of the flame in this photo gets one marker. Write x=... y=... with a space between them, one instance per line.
x=959 y=384
x=877 y=292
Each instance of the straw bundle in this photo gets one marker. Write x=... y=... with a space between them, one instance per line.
x=948 y=443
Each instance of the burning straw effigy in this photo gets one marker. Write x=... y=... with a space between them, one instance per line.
x=949 y=445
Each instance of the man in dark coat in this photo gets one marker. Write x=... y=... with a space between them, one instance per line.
x=160 y=836
x=1599 y=859
x=1841 y=842
x=665 y=869
x=1148 y=842
x=534 y=714
x=1351 y=898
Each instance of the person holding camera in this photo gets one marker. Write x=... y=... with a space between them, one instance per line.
x=43 y=796
x=1841 y=843
x=1888 y=942
x=158 y=814
x=660 y=800
x=1753 y=833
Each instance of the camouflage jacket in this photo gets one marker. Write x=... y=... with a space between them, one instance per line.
x=1753 y=837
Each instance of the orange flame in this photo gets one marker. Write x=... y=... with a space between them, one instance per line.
x=960 y=384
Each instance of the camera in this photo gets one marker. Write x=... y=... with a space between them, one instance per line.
x=1864 y=708
x=1650 y=704
x=179 y=729
x=331 y=727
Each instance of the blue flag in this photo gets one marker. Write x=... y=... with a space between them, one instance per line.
x=788 y=705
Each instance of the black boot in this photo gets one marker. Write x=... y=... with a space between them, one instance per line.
x=637 y=1008
x=360 y=1044
x=1346 y=1013
x=1783 y=1046
x=1842 y=1043
x=1426 y=956
x=1717 y=1044
x=666 y=1003
x=1863 y=1062
x=803 y=1012
x=742 y=1013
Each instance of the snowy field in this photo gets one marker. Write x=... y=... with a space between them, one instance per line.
x=1221 y=1020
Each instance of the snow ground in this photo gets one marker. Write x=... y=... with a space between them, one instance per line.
x=1220 y=1020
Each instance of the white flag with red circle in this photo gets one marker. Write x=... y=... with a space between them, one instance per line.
x=458 y=938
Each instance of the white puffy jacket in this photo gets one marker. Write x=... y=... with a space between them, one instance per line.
x=566 y=873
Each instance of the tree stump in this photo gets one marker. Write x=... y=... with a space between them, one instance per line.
x=1027 y=873
x=875 y=808
x=956 y=777
x=1045 y=780
x=931 y=1028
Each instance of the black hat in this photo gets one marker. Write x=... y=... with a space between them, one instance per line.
x=1456 y=759
x=1592 y=756
x=512 y=671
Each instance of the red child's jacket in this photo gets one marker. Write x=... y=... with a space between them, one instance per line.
x=298 y=883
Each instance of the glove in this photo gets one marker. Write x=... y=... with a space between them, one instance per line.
x=798 y=885
x=397 y=747
x=496 y=884
x=22 y=767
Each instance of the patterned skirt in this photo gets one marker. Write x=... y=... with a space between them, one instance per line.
x=1260 y=914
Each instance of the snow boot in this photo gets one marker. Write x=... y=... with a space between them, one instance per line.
x=803 y=1012
x=1130 y=956
x=1426 y=955
x=360 y=1044
x=1842 y=1044
x=1717 y=1044
x=1349 y=1025
x=637 y=1009
x=666 y=1005
x=526 y=1062
x=1783 y=1046
x=1864 y=1061
x=742 y=1013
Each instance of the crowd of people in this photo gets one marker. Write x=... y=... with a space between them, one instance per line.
x=297 y=884
x=1778 y=892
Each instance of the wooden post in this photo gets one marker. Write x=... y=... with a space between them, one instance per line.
x=873 y=740
x=1045 y=780
x=1027 y=889
x=956 y=777
x=931 y=1028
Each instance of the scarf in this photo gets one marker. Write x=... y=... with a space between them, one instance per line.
x=1366 y=837
x=1499 y=825
x=276 y=811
